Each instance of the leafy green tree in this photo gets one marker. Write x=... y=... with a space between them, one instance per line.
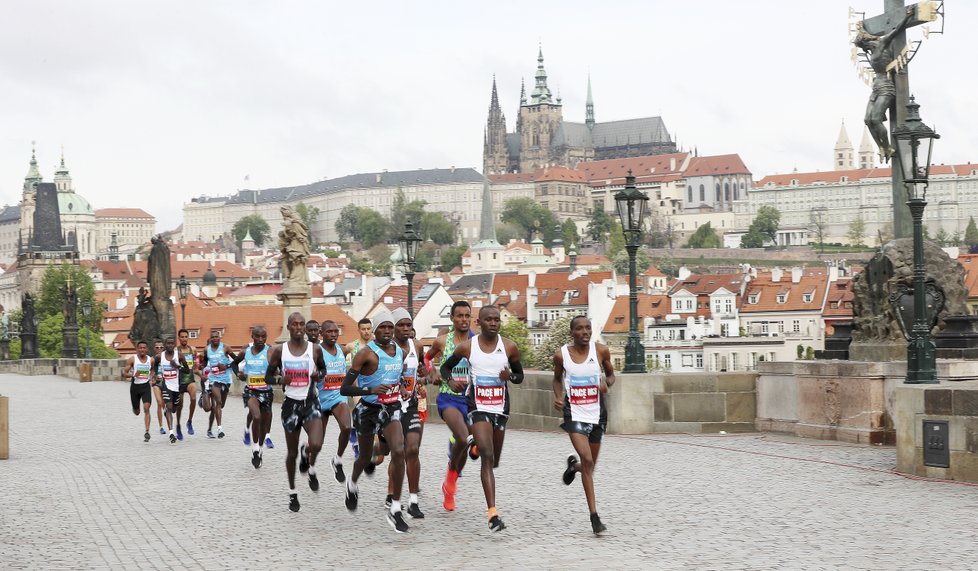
x=766 y=222
x=254 y=223
x=943 y=238
x=506 y=232
x=568 y=232
x=818 y=222
x=971 y=232
x=403 y=212
x=559 y=336
x=857 y=231
x=752 y=239
x=517 y=331
x=309 y=216
x=347 y=223
x=642 y=262
x=437 y=228
x=50 y=312
x=373 y=227
x=616 y=242
x=704 y=237
x=530 y=216
x=599 y=224
x=452 y=257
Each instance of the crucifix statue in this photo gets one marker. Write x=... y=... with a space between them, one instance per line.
x=884 y=41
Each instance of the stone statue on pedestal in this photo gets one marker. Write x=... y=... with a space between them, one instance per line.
x=293 y=242
x=154 y=318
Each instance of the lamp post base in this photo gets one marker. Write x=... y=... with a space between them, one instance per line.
x=634 y=355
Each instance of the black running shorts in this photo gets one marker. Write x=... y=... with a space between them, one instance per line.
x=498 y=421
x=411 y=420
x=373 y=418
x=264 y=399
x=298 y=413
x=139 y=392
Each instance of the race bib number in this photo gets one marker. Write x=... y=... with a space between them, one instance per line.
x=489 y=391
x=141 y=373
x=216 y=371
x=332 y=382
x=170 y=374
x=297 y=377
x=409 y=383
x=257 y=382
x=583 y=390
x=391 y=394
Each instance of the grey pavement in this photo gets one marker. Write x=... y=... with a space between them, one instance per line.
x=82 y=491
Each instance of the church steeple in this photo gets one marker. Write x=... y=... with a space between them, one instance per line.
x=494 y=154
x=487 y=224
x=541 y=93
x=867 y=152
x=843 y=151
x=33 y=173
x=589 y=106
x=62 y=180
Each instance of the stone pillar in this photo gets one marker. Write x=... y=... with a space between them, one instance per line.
x=4 y=428
x=70 y=336
x=293 y=301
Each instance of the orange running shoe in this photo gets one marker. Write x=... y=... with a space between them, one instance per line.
x=449 y=503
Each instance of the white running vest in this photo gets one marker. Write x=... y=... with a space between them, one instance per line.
x=581 y=385
x=141 y=370
x=410 y=373
x=484 y=369
x=298 y=370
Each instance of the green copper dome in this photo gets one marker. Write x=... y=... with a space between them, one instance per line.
x=71 y=203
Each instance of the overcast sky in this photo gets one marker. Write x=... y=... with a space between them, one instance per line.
x=157 y=102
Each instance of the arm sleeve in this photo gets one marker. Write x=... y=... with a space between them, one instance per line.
x=516 y=376
x=349 y=389
x=448 y=365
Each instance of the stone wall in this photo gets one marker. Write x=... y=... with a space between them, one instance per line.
x=102 y=369
x=647 y=403
x=850 y=401
x=954 y=402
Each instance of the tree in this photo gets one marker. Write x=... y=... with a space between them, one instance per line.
x=380 y=255
x=616 y=242
x=256 y=225
x=506 y=232
x=373 y=227
x=704 y=237
x=568 y=233
x=50 y=312
x=971 y=232
x=885 y=234
x=752 y=239
x=403 y=212
x=943 y=238
x=818 y=224
x=766 y=222
x=558 y=337
x=600 y=223
x=660 y=232
x=517 y=331
x=347 y=223
x=642 y=262
x=857 y=230
x=452 y=257
x=530 y=216
x=309 y=216
x=437 y=228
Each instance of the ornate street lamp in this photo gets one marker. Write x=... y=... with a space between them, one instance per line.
x=914 y=140
x=408 y=243
x=631 y=204
x=183 y=289
x=86 y=309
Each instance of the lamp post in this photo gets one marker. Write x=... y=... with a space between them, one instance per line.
x=408 y=243
x=86 y=309
x=914 y=140
x=183 y=289
x=631 y=204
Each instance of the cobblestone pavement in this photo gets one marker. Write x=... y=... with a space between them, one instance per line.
x=81 y=490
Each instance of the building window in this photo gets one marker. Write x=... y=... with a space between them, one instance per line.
x=764 y=327
x=734 y=364
x=689 y=190
x=702 y=193
x=807 y=298
x=699 y=360
x=667 y=361
x=782 y=297
x=752 y=299
x=728 y=306
x=796 y=326
x=193 y=333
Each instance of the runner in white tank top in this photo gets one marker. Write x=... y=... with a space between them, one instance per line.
x=299 y=362
x=579 y=390
x=138 y=371
x=494 y=361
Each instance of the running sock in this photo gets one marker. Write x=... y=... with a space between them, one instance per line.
x=414 y=498
x=452 y=475
x=395 y=506
x=338 y=460
x=219 y=429
x=470 y=440
x=255 y=447
x=312 y=470
x=492 y=512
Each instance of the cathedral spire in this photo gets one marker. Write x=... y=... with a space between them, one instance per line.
x=522 y=91
x=487 y=226
x=541 y=93
x=842 y=154
x=494 y=99
x=33 y=173
x=589 y=106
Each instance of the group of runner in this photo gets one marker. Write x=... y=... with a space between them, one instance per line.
x=385 y=371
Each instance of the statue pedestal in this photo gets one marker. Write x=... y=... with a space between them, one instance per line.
x=28 y=346
x=293 y=301
x=70 y=336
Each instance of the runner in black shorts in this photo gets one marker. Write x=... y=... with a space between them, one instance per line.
x=494 y=361
x=414 y=370
x=257 y=392
x=187 y=384
x=300 y=362
x=138 y=370
x=166 y=375
x=579 y=391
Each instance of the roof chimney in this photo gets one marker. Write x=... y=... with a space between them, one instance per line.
x=378 y=177
x=796 y=274
x=672 y=163
x=776 y=274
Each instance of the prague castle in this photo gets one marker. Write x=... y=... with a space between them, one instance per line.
x=543 y=138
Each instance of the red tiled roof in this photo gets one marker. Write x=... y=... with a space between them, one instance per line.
x=123 y=213
x=649 y=305
x=838 y=302
x=768 y=292
x=705 y=284
x=970 y=264
x=512 y=177
x=643 y=168
x=398 y=295
x=562 y=174
x=716 y=165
